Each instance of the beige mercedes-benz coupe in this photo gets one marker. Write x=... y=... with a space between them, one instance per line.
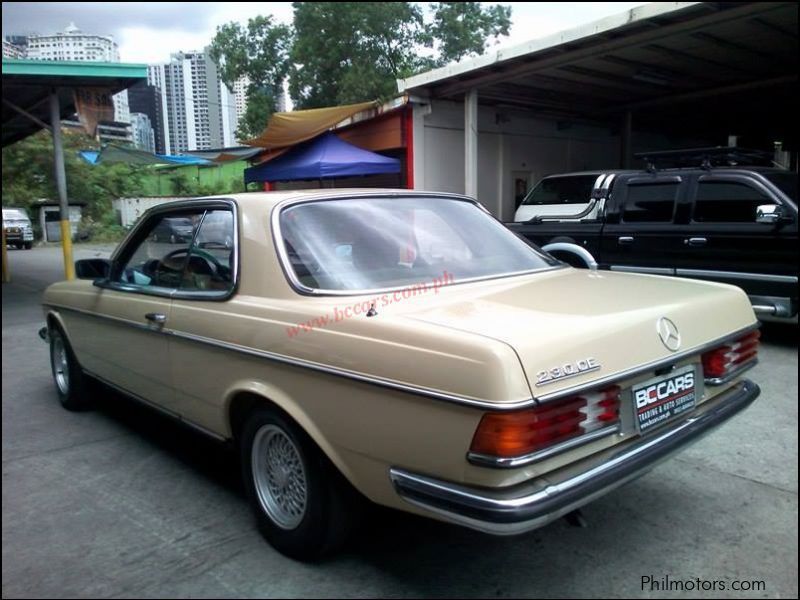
x=403 y=347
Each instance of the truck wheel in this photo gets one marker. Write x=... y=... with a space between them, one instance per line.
x=304 y=507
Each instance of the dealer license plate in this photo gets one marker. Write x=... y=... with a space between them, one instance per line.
x=662 y=399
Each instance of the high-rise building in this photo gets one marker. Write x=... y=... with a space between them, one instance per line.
x=199 y=109
x=240 y=99
x=156 y=78
x=73 y=44
x=12 y=50
x=142 y=132
x=145 y=98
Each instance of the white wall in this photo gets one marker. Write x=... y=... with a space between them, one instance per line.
x=130 y=209
x=508 y=142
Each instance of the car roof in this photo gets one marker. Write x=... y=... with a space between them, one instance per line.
x=270 y=199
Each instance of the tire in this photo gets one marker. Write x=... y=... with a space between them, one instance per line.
x=28 y=245
x=71 y=383
x=278 y=456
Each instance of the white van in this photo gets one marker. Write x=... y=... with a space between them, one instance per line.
x=18 y=228
x=568 y=195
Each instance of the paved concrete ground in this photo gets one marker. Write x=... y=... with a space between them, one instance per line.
x=121 y=502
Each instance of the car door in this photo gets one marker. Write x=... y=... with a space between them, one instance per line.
x=129 y=344
x=640 y=232
x=201 y=321
x=725 y=243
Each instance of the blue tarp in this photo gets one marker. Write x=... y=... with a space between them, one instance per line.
x=113 y=153
x=323 y=157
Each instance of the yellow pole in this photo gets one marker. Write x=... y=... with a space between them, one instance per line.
x=66 y=246
x=6 y=274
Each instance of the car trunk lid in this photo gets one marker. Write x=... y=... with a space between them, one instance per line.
x=572 y=326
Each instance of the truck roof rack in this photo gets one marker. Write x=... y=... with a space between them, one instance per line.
x=706 y=158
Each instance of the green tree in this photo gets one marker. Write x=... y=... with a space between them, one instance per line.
x=28 y=174
x=463 y=28
x=259 y=52
x=348 y=52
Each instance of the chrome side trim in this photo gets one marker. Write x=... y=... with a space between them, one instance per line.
x=436 y=395
x=737 y=275
x=165 y=411
x=731 y=376
x=484 y=460
x=532 y=504
x=646 y=270
x=152 y=328
x=298 y=286
x=662 y=362
x=379 y=381
x=297 y=362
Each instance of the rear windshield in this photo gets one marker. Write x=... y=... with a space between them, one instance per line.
x=354 y=244
x=576 y=189
x=785 y=182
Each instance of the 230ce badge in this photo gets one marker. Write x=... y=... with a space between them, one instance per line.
x=571 y=369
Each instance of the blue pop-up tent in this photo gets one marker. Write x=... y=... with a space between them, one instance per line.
x=323 y=157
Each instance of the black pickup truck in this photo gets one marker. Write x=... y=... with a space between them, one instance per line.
x=731 y=224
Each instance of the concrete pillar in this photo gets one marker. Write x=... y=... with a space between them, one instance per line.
x=471 y=143
x=61 y=185
x=500 y=211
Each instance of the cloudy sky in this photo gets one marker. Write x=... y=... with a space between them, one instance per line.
x=147 y=32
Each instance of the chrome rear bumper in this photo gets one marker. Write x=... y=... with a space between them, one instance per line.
x=533 y=504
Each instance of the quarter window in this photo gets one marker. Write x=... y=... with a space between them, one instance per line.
x=650 y=202
x=727 y=202
x=210 y=264
x=158 y=260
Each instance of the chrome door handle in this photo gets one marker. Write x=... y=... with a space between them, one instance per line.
x=156 y=318
x=695 y=241
x=626 y=239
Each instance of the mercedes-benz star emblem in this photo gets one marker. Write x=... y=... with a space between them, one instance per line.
x=668 y=332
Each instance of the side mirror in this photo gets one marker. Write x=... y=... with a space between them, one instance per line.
x=92 y=268
x=770 y=214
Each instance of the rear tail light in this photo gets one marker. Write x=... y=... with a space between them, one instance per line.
x=720 y=363
x=518 y=433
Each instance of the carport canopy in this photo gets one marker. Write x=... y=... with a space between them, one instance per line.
x=722 y=68
x=37 y=94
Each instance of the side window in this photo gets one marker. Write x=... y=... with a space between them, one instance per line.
x=650 y=202
x=727 y=202
x=576 y=189
x=210 y=264
x=159 y=258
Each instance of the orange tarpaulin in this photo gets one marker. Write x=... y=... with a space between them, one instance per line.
x=289 y=128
